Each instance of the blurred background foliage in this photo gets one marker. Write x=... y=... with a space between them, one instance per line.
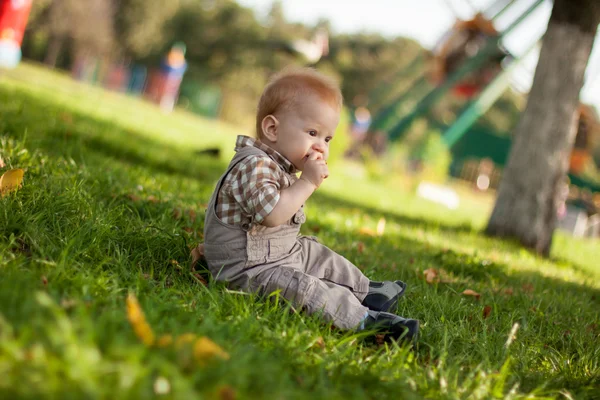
x=228 y=46
x=231 y=54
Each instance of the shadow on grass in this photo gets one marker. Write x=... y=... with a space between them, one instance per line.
x=335 y=202
x=47 y=127
x=557 y=317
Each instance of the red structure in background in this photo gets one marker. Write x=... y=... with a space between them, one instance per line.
x=588 y=132
x=13 y=19
x=464 y=41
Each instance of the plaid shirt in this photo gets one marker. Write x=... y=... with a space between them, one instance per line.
x=251 y=189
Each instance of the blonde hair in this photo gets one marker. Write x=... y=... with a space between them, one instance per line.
x=287 y=87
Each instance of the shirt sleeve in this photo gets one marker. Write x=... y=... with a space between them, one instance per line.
x=257 y=186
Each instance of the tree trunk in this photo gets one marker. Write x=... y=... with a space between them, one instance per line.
x=54 y=49
x=527 y=200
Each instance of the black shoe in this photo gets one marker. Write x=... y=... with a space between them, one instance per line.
x=393 y=326
x=383 y=296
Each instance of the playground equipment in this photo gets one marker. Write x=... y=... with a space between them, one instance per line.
x=464 y=40
x=162 y=85
x=13 y=19
x=466 y=78
x=588 y=132
x=470 y=62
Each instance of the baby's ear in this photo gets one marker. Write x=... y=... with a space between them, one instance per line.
x=269 y=127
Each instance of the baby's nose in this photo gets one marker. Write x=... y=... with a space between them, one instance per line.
x=319 y=147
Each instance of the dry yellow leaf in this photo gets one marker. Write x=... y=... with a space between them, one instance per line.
x=205 y=350
x=184 y=339
x=431 y=275
x=11 y=180
x=137 y=319
x=164 y=341
x=366 y=231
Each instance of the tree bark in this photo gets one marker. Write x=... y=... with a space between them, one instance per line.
x=527 y=201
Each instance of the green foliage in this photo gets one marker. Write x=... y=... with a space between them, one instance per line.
x=434 y=156
x=342 y=140
x=140 y=25
x=95 y=220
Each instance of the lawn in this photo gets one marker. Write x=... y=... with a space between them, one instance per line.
x=113 y=197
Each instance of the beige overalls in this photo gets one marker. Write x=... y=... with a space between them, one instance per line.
x=256 y=258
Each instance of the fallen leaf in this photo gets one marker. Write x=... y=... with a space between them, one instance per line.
x=227 y=393
x=11 y=180
x=487 y=310
x=469 y=292
x=508 y=291
x=133 y=197
x=205 y=350
x=381 y=227
x=164 y=341
x=360 y=246
x=44 y=280
x=320 y=343
x=152 y=199
x=185 y=338
x=177 y=213
x=527 y=287
x=366 y=231
x=2 y=164
x=200 y=278
x=137 y=319
x=192 y=215
x=444 y=278
x=431 y=275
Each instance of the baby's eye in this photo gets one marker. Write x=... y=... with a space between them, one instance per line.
x=328 y=139
x=312 y=133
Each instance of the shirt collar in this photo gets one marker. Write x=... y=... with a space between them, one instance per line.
x=244 y=141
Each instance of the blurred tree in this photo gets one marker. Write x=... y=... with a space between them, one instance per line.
x=526 y=207
x=221 y=35
x=364 y=61
x=74 y=26
x=140 y=25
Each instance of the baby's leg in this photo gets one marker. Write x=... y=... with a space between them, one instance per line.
x=323 y=263
x=336 y=303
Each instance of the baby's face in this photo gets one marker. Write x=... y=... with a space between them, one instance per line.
x=305 y=129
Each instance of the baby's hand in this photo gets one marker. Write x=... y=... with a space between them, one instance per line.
x=315 y=169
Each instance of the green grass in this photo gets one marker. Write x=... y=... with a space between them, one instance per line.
x=114 y=194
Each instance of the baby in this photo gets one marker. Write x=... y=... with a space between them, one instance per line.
x=253 y=219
